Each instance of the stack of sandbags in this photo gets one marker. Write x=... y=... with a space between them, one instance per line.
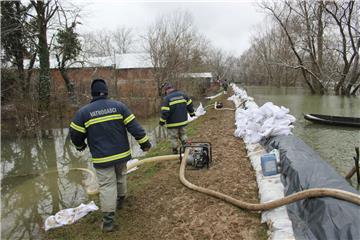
x=254 y=123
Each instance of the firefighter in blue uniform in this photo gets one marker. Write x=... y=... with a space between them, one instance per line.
x=174 y=109
x=105 y=123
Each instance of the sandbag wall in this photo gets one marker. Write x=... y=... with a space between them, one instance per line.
x=301 y=168
x=270 y=188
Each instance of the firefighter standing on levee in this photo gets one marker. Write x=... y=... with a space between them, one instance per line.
x=174 y=108
x=105 y=123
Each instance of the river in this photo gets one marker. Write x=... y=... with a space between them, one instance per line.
x=36 y=179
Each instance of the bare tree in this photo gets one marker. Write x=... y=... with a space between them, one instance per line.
x=174 y=46
x=312 y=30
x=343 y=14
x=106 y=43
x=122 y=39
x=97 y=44
x=217 y=61
x=290 y=17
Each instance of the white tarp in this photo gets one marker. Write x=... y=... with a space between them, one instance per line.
x=69 y=215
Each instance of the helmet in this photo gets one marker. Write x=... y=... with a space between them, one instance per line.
x=166 y=85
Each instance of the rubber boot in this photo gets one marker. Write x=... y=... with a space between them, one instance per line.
x=120 y=202
x=183 y=143
x=108 y=222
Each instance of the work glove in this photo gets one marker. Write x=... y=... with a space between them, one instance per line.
x=161 y=123
x=82 y=148
x=145 y=146
x=192 y=114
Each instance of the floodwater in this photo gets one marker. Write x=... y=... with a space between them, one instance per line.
x=37 y=180
x=335 y=144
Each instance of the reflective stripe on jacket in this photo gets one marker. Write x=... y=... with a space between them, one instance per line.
x=174 y=109
x=105 y=123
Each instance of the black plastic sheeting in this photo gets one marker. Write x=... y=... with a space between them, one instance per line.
x=314 y=218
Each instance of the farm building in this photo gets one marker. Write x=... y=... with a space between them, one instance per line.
x=130 y=79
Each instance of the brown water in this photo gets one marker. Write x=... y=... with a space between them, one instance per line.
x=37 y=180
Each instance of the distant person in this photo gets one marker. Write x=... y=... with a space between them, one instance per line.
x=225 y=86
x=105 y=123
x=174 y=109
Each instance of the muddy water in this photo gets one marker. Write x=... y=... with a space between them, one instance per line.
x=36 y=180
x=334 y=144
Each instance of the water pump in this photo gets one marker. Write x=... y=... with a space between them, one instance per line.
x=200 y=154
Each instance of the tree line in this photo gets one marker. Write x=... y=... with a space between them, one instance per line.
x=38 y=31
x=314 y=43
x=303 y=43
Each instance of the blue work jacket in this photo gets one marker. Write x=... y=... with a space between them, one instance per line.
x=174 y=109
x=105 y=123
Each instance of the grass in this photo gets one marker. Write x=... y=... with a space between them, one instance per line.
x=262 y=232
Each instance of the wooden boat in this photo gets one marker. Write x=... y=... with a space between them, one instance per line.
x=333 y=120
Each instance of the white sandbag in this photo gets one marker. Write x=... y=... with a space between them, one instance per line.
x=252 y=124
x=69 y=215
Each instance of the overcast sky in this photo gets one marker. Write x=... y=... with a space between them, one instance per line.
x=228 y=25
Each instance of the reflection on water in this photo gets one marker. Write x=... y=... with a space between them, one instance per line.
x=36 y=180
x=334 y=144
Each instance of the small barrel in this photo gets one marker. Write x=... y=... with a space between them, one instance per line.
x=268 y=164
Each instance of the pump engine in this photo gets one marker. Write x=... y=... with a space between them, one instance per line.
x=199 y=154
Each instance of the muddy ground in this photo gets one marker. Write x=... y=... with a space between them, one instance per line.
x=165 y=209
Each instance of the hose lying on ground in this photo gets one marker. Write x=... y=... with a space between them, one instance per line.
x=154 y=159
x=93 y=189
x=231 y=109
x=314 y=192
x=90 y=189
x=213 y=105
x=310 y=193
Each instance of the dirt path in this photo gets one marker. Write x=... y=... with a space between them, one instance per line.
x=165 y=209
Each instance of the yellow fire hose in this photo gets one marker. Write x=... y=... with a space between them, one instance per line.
x=154 y=159
x=310 y=193
x=314 y=192
x=230 y=109
x=92 y=190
